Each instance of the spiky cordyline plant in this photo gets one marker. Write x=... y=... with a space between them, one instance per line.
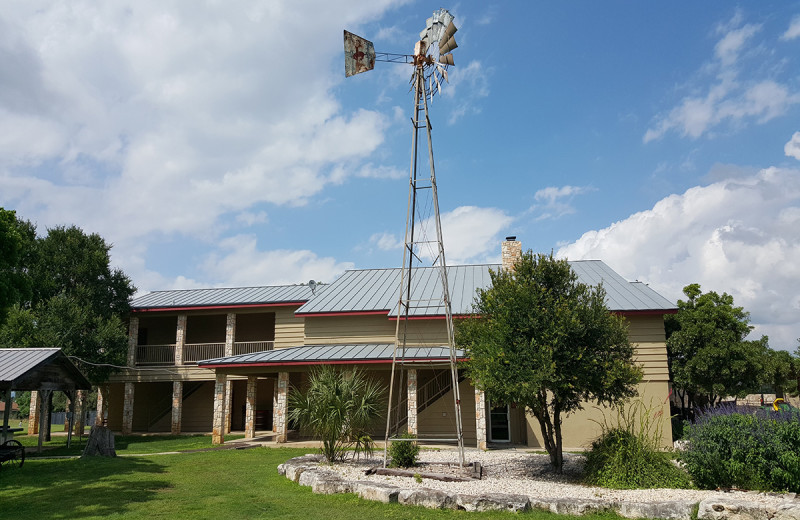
x=338 y=407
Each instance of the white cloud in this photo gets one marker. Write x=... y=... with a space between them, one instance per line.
x=470 y=235
x=187 y=115
x=239 y=262
x=792 y=148
x=468 y=84
x=555 y=202
x=727 y=98
x=386 y=241
x=740 y=236
x=793 y=31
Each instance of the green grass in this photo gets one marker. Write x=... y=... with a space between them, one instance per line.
x=133 y=444
x=217 y=484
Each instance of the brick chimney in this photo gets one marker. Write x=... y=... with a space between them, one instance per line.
x=511 y=250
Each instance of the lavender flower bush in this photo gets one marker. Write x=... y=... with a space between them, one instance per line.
x=745 y=448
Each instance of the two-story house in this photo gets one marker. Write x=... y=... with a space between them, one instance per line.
x=219 y=360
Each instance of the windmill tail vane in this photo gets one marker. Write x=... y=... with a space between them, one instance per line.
x=432 y=52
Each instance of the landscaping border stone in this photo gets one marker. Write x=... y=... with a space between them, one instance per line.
x=306 y=471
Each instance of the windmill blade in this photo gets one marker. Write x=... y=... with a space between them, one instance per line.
x=359 y=54
x=443 y=72
x=438 y=85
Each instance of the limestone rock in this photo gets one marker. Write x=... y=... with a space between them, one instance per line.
x=376 y=491
x=494 y=502
x=425 y=497
x=672 y=510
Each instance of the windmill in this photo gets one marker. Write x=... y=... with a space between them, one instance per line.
x=431 y=59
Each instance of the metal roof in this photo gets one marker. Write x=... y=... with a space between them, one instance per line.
x=369 y=290
x=318 y=354
x=35 y=368
x=274 y=294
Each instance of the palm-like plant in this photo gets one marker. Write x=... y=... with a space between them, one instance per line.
x=338 y=407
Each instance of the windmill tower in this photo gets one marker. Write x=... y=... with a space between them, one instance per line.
x=430 y=61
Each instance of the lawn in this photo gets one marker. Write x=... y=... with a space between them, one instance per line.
x=213 y=484
x=123 y=444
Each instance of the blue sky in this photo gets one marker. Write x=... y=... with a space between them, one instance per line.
x=219 y=143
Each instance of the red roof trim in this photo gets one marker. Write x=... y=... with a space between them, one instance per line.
x=325 y=362
x=647 y=312
x=215 y=307
x=434 y=317
x=347 y=313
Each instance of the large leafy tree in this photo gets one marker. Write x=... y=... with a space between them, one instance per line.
x=783 y=372
x=540 y=338
x=17 y=238
x=709 y=357
x=77 y=302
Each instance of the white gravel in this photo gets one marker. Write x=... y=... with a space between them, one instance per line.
x=521 y=472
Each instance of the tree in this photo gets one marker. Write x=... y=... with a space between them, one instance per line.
x=16 y=241
x=77 y=302
x=338 y=407
x=708 y=355
x=540 y=338
x=782 y=372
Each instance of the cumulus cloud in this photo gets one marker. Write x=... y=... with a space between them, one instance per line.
x=386 y=241
x=726 y=98
x=470 y=234
x=239 y=262
x=144 y=120
x=467 y=85
x=554 y=202
x=739 y=235
x=792 y=148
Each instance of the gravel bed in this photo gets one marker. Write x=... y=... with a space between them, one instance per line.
x=520 y=472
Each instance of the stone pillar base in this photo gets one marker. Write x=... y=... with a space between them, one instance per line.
x=282 y=408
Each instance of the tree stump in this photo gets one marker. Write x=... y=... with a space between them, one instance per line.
x=100 y=442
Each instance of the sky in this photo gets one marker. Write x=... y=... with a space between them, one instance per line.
x=219 y=143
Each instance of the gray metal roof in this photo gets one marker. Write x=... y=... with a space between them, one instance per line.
x=368 y=290
x=34 y=368
x=353 y=353
x=226 y=296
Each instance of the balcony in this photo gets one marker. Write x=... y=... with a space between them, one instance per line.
x=164 y=355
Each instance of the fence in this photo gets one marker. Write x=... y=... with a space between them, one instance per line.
x=60 y=417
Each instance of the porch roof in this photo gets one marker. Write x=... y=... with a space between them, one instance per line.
x=231 y=296
x=39 y=369
x=333 y=354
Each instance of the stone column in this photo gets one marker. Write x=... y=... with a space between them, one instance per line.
x=411 y=388
x=177 y=407
x=230 y=338
x=127 y=410
x=218 y=432
x=133 y=340
x=102 y=405
x=180 y=339
x=282 y=407
x=480 y=418
x=275 y=405
x=250 y=408
x=80 y=412
x=33 y=415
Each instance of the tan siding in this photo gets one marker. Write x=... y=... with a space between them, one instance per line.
x=288 y=328
x=582 y=427
x=646 y=329
x=328 y=330
x=438 y=418
x=198 y=409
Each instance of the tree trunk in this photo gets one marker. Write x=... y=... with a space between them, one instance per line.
x=559 y=466
x=100 y=442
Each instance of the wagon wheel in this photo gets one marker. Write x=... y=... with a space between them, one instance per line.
x=16 y=456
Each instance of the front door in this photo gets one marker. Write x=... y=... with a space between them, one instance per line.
x=499 y=424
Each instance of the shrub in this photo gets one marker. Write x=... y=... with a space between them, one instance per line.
x=404 y=453
x=339 y=408
x=628 y=455
x=732 y=447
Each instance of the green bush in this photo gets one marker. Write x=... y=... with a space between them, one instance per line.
x=404 y=453
x=733 y=447
x=628 y=455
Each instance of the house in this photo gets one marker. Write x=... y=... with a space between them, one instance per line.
x=225 y=359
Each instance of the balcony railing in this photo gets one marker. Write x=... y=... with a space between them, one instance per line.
x=164 y=355
x=249 y=347
x=194 y=352
x=155 y=355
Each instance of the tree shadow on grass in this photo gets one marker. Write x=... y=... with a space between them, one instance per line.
x=77 y=488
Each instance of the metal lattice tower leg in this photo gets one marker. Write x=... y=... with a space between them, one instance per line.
x=405 y=303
